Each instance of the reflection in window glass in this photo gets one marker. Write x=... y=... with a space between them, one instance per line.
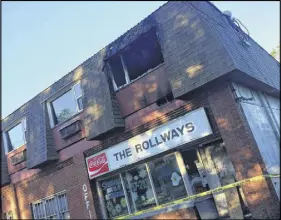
x=114 y=197
x=167 y=179
x=139 y=188
x=16 y=136
x=64 y=107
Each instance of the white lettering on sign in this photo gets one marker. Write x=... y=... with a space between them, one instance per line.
x=87 y=202
x=187 y=128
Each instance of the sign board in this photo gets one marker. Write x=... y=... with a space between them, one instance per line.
x=191 y=126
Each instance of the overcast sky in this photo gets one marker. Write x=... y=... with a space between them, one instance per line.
x=43 y=41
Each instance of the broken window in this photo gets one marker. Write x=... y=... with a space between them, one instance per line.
x=118 y=71
x=136 y=59
x=168 y=98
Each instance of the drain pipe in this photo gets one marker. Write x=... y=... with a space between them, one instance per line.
x=16 y=201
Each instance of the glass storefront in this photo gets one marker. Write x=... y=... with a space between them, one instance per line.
x=144 y=186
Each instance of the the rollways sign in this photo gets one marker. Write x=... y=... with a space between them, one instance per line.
x=189 y=127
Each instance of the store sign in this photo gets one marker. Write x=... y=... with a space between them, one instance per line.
x=98 y=164
x=192 y=126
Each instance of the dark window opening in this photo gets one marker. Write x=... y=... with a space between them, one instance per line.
x=118 y=71
x=144 y=54
x=168 y=98
x=190 y=157
x=139 y=57
x=195 y=170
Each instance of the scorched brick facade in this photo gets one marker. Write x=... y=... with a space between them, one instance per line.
x=199 y=101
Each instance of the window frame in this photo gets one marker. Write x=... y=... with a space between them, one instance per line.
x=182 y=169
x=127 y=77
x=50 y=107
x=125 y=69
x=6 y=137
x=43 y=201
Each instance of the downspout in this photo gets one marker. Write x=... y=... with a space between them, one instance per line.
x=16 y=201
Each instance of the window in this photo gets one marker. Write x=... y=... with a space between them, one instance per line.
x=114 y=196
x=15 y=137
x=136 y=59
x=168 y=98
x=54 y=207
x=139 y=188
x=167 y=179
x=67 y=105
x=143 y=186
x=196 y=171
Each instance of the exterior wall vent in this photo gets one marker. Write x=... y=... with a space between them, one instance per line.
x=18 y=158
x=71 y=129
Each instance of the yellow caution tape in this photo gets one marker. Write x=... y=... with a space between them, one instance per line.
x=229 y=186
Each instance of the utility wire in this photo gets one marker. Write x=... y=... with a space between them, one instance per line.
x=190 y=4
x=235 y=22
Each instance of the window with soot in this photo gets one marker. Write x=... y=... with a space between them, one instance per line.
x=136 y=59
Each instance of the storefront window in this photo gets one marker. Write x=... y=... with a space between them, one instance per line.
x=167 y=179
x=143 y=187
x=114 y=197
x=139 y=188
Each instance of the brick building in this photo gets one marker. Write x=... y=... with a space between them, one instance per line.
x=183 y=102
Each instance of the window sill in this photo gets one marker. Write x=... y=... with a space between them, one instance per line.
x=143 y=75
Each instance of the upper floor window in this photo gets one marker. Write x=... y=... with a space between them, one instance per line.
x=16 y=136
x=136 y=59
x=168 y=98
x=67 y=105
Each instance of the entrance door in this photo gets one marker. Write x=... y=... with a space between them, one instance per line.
x=209 y=168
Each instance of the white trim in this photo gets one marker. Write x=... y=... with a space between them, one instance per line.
x=127 y=76
x=4 y=136
x=111 y=76
x=77 y=97
x=125 y=192
x=151 y=183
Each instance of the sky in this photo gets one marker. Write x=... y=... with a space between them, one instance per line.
x=43 y=41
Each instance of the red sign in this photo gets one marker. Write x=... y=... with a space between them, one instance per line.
x=97 y=165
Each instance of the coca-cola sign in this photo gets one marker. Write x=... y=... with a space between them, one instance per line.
x=97 y=165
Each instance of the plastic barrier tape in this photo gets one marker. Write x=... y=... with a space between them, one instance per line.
x=229 y=186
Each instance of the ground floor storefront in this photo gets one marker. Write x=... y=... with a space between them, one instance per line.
x=203 y=146
x=148 y=175
x=159 y=169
